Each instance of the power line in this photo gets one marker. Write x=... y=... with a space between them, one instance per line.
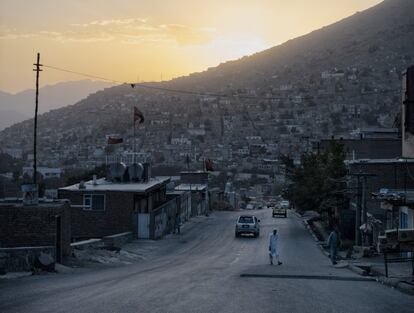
x=208 y=94
x=83 y=74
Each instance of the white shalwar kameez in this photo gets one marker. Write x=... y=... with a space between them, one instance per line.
x=273 y=251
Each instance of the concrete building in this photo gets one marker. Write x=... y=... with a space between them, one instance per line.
x=102 y=207
x=46 y=172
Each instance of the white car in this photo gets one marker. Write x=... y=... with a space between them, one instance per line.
x=247 y=224
x=285 y=204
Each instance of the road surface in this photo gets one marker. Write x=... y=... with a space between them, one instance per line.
x=207 y=269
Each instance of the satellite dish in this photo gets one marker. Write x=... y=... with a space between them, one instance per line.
x=116 y=171
x=135 y=171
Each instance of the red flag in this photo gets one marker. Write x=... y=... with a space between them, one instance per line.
x=138 y=116
x=209 y=165
x=114 y=140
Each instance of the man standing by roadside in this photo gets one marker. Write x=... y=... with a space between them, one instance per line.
x=333 y=243
x=273 y=251
x=177 y=223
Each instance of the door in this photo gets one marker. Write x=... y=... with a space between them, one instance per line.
x=143 y=225
x=58 y=243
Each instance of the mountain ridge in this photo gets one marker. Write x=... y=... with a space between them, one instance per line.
x=19 y=106
x=346 y=68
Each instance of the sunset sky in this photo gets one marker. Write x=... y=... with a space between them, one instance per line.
x=128 y=40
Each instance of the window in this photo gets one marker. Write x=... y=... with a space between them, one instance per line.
x=246 y=219
x=94 y=202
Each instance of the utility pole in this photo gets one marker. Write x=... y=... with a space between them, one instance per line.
x=37 y=70
x=361 y=208
x=358 y=213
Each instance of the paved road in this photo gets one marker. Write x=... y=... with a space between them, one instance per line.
x=200 y=271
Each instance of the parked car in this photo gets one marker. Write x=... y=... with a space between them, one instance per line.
x=247 y=224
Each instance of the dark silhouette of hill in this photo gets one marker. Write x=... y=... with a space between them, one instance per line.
x=20 y=106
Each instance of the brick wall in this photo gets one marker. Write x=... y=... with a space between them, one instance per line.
x=33 y=226
x=116 y=218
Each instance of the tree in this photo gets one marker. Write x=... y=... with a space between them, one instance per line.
x=9 y=164
x=318 y=183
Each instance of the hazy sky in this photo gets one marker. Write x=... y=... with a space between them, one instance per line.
x=127 y=39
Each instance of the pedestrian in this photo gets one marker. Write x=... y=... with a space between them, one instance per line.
x=169 y=225
x=273 y=250
x=177 y=223
x=333 y=243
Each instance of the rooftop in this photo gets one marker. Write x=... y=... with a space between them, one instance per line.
x=380 y=161
x=104 y=185
x=192 y=187
x=44 y=203
x=395 y=195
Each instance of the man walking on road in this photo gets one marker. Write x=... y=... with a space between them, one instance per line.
x=273 y=251
x=333 y=243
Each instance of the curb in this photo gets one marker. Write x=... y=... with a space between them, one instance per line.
x=390 y=282
x=357 y=270
x=311 y=232
x=394 y=283
x=311 y=277
x=397 y=284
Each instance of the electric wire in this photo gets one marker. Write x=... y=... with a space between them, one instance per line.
x=208 y=94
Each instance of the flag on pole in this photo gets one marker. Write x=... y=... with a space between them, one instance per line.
x=138 y=116
x=113 y=140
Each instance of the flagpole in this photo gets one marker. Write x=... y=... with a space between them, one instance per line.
x=134 y=138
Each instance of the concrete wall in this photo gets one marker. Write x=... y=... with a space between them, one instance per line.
x=162 y=220
x=22 y=258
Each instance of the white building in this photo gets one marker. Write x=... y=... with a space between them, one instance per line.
x=15 y=153
x=180 y=141
x=46 y=172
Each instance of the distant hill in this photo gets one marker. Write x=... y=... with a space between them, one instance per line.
x=379 y=37
x=17 y=107
x=351 y=71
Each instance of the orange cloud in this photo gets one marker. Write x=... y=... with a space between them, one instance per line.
x=128 y=30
